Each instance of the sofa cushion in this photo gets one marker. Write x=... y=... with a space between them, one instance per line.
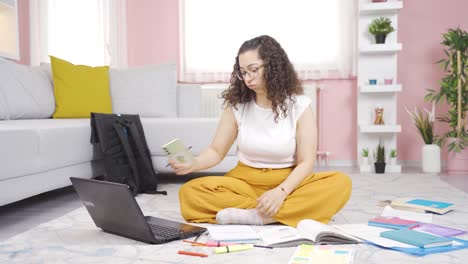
x=18 y=147
x=149 y=91
x=25 y=92
x=195 y=132
x=79 y=89
x=34 y=146
x=3 y=109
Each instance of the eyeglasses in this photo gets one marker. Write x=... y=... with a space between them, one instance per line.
x=252 y=73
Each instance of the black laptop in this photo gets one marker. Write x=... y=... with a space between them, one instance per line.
x=115 y=210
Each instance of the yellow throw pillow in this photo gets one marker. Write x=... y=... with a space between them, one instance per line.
x=80 y=90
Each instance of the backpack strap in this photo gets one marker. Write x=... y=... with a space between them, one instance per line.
x=141 y=150
x=121 y=130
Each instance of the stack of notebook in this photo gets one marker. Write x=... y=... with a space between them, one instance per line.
x=418 y=239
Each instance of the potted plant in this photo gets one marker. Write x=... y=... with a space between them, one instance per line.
x=425 y=126
x=379 y=158
x=365 y=156
x=454 y=91
x=393 y=155
x=380 y=27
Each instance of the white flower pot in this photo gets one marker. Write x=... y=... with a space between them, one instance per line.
x=431 y=158
x=392 y=162
x=365 y=161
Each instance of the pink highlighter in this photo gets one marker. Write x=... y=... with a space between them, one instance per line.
x=218 y=244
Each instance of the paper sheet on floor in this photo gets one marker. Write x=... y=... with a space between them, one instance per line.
x=420 y=217
x=371 y=234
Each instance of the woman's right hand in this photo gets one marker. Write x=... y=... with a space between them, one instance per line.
x=183 y=168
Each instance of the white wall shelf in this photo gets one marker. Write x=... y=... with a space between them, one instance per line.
x=380 y=128
x=380 y=88
x=380 y=8
x=380 y=48
x=378 y=62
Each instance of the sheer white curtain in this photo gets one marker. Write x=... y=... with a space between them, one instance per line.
x=90 y=32
x=318 y=35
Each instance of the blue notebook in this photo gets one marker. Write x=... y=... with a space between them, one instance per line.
x=429 y=203
x=416 y=238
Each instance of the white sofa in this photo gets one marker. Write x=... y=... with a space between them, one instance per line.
x=40 y=154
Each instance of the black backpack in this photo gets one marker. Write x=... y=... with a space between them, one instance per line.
x=127 y=160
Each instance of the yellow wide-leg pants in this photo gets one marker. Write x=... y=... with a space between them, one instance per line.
x=318 y=197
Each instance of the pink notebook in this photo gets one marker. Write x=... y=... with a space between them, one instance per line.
x=392 y=222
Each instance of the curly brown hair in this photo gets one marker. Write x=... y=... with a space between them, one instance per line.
x=280 y=77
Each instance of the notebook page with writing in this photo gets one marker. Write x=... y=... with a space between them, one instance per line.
x=308 y=254
x=233 y=233
x=283 y=236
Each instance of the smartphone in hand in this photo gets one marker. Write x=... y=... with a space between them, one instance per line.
x=177 y=151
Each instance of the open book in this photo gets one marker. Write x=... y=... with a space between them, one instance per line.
x=307 y=232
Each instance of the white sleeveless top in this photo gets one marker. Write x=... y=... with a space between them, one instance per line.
x=263 y=143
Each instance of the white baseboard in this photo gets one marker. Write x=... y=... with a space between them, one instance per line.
x=417 y=163
x=338 y=163
x=353 y=163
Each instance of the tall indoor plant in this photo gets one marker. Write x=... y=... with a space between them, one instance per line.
x=425 y=125
x=453 y=89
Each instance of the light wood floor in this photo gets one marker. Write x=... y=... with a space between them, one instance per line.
x=21 y=216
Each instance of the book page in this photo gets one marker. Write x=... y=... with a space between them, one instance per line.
x=371 y=234
x=279 y=234
x=233 y=233
x=316 y=230
x=311 y=228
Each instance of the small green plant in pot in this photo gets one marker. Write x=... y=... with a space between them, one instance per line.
x=380 y=28
x=365 y=156
x=379 y=158
x=393 y=155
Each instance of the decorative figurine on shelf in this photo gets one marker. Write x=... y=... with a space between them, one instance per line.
x=379 y=116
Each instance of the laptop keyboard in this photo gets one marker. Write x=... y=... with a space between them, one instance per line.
x=166 y=232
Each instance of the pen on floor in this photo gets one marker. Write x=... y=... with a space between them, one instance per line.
x=194 y=243
x=219 y=244
x=233 y=248
x=189 y=148
x=260 y=246
x=199 y=235
x=189 y=253
x=210 y=243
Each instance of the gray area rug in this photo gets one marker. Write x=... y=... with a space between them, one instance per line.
x=73 y=238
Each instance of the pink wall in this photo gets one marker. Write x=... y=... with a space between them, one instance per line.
x=338 y=119
x=420 y=28
x=153 y=37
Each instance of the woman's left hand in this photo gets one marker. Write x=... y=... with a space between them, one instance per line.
x=270 y=202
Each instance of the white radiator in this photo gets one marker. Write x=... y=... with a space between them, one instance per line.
x=211 y=103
